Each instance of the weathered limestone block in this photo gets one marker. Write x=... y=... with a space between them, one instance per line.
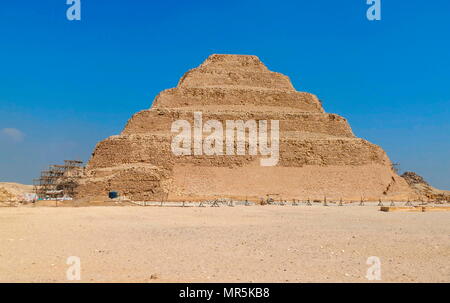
x=160 y=120
x=225 y=96
x=235 y=71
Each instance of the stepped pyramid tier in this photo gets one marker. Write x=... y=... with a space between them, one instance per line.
x=318 y=152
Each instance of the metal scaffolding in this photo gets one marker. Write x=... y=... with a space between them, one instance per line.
x=58 y=180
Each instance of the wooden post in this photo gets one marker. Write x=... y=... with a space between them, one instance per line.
x=362 y=202
x=408 y=203
x=379 y=202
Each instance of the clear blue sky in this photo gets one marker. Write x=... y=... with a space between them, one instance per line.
x=65 y=85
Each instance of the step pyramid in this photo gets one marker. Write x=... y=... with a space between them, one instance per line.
x=318 y=153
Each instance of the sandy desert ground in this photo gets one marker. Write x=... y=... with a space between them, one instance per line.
x=226 y=244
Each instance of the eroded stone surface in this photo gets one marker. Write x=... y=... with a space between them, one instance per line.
x=319 y=154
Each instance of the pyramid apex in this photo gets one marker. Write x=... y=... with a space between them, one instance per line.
x=227 y=70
